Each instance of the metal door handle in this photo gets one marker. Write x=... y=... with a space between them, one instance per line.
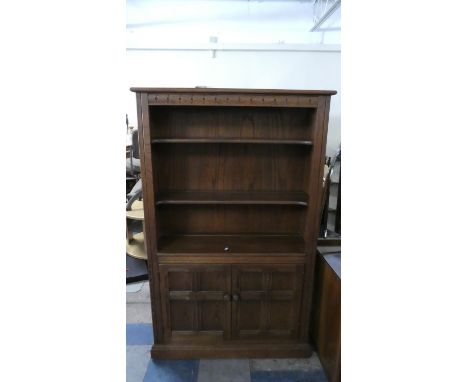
x=235 y=297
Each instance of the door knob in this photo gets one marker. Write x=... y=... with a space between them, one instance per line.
x=235 y=297
x=227 y=297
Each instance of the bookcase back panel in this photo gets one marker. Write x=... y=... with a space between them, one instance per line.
x=230 y=219
x=231 y=122
x=231 y=167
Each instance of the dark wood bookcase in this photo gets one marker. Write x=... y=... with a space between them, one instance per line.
x=232 y=182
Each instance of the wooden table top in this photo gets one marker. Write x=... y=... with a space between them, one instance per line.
x=332 y=255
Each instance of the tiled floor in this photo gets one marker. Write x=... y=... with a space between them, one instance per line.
x=141 y=368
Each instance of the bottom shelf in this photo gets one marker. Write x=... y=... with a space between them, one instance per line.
x=242 y=244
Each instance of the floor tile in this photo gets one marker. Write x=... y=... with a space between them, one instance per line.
x=138 y=358
x=224 y=370
x=134 y=287
x=304 y=364
x=138 y=313
x=138 y=293
x=139 y=334
x=172 y=371
x=288 y=376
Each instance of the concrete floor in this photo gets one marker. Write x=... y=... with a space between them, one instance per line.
x=138 y=303
x=140 y=367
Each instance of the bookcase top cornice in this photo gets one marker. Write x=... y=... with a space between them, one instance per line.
x=233 y=91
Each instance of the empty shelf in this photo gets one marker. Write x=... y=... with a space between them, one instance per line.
x=234 y=140
x=233 y=197
x=231 y=244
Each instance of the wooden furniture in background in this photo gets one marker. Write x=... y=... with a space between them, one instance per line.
x=338 y=207
x=232 y=181
x=333 y=167
x=326 y=310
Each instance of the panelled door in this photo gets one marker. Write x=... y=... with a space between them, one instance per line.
x=266 y=301
x=196 y=302
x=216 y=303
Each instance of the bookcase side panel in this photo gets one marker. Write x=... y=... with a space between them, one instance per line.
x=150 y=223
x=317 y=162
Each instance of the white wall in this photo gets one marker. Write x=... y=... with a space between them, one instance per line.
x=239 y=69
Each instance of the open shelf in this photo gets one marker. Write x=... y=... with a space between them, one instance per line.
x=233 y=140
x=233 y=197
x=231 y=177
x=231 y=167
x=231 y=124
x=231 y=244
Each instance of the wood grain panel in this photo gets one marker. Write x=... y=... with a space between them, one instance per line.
x=194 y=300
x=149 y=188
x=326 y=318
x=225 y=219
x=231 y=122
x=225 y=167
x=314 y=190
x=180 y=281
x=259 y=310
x=212 y=315
x=182 y=313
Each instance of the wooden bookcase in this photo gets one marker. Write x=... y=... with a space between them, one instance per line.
x=232 y=183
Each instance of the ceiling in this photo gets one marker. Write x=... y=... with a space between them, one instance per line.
x=232 y=22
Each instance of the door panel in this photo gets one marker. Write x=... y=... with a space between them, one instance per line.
x=282 y=281
x=281 y=315
x=248 y=317
x=195 y=301
x=211 y=315
x=181 y=314
x=266 y=301
x=217 y=303
x=251 y=280
x=178 y=281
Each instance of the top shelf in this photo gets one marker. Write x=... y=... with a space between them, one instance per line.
x=233 y=140
x=233 y=197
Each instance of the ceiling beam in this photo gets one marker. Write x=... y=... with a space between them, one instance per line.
x=326 y=15
x=237 y=47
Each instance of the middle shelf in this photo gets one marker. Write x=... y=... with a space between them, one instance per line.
x=235 y=140
x=297 y=198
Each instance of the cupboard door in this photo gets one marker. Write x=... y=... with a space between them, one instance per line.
x=196 y=302
x=266 y=301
